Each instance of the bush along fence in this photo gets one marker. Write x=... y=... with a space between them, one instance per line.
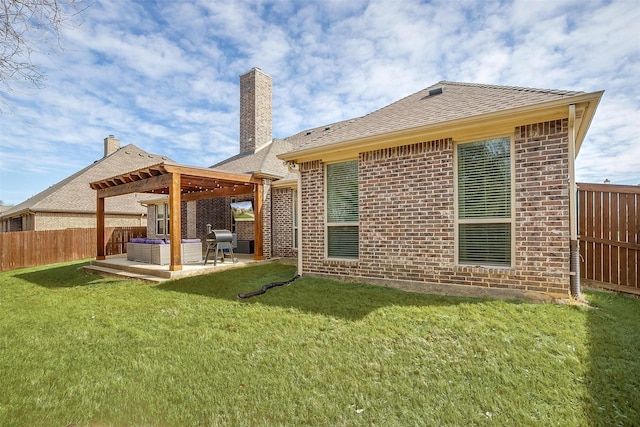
x=31 y=248
x=609 y=229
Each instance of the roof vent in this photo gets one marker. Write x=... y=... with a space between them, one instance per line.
x=327 y=128
x=309 y=132
x=436 y=91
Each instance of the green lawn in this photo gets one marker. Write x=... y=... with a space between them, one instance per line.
x=90 y=351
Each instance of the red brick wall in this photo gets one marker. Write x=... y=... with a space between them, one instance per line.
x=542 y=205
x=407 y=222
x=282 y=223
x=312 y=217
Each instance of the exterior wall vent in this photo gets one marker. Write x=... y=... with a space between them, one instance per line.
x=436 y=91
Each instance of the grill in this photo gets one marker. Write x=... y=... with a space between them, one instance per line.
x=218 y=241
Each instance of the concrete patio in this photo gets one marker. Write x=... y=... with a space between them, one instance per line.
x=118 y=265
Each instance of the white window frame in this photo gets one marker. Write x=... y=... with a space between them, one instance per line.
x=296 y=219
x=328 y=224
x=165 y=220
x=233 y=220
x=510 y=220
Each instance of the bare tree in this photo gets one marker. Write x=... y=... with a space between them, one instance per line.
x=27 y=27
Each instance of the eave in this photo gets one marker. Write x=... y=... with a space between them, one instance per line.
x=285 y=183
x=266 y=175
x=464 y=129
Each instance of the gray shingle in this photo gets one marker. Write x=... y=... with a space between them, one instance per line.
x=458 y=100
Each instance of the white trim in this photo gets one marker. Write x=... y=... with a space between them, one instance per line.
x=295 y=214
x=573 y=189
x=165 y=220
x=328 y=224
x=295 y=168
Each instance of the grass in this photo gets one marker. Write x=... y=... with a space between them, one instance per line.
x=83 y=350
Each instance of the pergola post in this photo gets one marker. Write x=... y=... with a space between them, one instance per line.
x=175 y=222
x=100 y=246
x=258 y=251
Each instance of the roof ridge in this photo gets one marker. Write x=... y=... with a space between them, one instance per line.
x=518 y=88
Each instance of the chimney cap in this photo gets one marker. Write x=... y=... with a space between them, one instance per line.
x=258 y=69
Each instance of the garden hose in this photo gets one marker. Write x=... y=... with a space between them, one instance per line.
x=268 y=286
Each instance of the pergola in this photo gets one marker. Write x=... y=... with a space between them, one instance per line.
x=180 y=183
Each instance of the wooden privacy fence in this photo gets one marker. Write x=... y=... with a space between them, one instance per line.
x=30 y=248
x=609 y=229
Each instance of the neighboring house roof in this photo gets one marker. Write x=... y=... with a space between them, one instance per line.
x=441 y=103
x=73 y=194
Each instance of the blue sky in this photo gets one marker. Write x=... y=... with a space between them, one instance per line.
x=164 y=75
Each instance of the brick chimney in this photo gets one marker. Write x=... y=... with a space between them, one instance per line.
x=255 y=110
x=111 y=145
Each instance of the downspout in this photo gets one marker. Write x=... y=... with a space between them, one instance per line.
x=574 y=244
x=295 y=168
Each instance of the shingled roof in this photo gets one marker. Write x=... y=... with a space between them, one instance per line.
x=265 y=160
x=262 y=162
x=441 y=102
x=73 y=194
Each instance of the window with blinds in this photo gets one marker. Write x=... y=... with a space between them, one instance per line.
x=484 y=202
x=342 y=210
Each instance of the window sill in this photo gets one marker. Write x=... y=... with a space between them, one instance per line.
x=341 y=262
x=492 y=269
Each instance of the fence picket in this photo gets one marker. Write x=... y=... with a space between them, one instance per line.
x=31 y=248
x=609 y=228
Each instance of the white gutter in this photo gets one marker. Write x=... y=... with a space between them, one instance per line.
x=572 y=173
x=295 y=168
x=574 y=244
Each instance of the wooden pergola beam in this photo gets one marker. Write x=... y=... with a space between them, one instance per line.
x=146 y=185
x=220 y=192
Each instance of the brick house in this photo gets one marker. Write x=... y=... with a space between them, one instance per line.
x=70 y=203
x=458 y=184
x=459 y=187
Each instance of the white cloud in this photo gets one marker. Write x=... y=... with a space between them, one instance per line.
x=164 y=75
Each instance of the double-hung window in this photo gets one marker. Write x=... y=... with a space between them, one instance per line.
x=485 y=214
x=342 y=210
x=295 y=219
x=162 y=219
